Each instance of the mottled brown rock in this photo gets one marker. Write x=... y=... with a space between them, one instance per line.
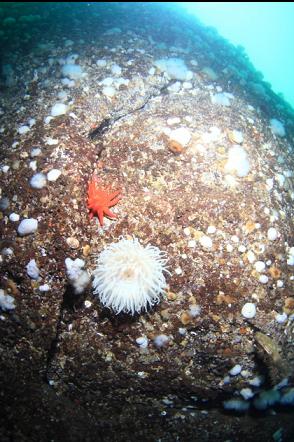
x=72 y=370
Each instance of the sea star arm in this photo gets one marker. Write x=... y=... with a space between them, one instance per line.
x=115 y=195
x=100 y=212
x=114 y=202
x=109 y=213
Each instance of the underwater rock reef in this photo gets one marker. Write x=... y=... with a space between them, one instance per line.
x=176 y=120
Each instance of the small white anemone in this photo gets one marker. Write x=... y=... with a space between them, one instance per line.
x=129 y=277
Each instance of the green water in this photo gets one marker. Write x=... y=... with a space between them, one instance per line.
x=266 y=30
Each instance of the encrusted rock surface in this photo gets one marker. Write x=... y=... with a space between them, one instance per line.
x=71 y=370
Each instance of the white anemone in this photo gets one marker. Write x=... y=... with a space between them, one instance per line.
x=129 y=277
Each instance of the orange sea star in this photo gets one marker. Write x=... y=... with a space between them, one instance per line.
x=100 y=200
